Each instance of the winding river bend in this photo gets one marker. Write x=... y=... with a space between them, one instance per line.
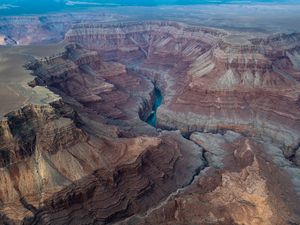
x=157 y=102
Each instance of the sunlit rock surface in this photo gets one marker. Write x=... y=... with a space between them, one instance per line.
x=244 y=191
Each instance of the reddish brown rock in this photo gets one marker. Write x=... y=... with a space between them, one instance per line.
x=37 y=29
x=132 y=185
x=63 y=157
x=244 y=191
x=208 y=82
x=107 y=88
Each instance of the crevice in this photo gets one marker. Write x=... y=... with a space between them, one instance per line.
x=149 y=109
x=27 y=205
x=290 y=153
x=204 y=151
x=195 y=175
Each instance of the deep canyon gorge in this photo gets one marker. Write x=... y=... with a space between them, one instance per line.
x=149 y=122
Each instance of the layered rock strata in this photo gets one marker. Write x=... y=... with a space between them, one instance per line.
x=243 y=191
x=213 y=85
x=37 y=29
x=135 y=184
x=209 y=83
x=50 y=165
x=91 y=85
x=51 y=150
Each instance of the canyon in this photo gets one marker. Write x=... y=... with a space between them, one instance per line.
x=152 y=122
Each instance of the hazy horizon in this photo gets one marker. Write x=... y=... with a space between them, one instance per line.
x=19 y=7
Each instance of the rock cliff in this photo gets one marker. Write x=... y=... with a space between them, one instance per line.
x=219 y=85
x=211 y=84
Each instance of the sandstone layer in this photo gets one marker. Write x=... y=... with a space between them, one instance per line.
x=243 y=191
x=210 y=84
x=51 y=164
x=34 y=29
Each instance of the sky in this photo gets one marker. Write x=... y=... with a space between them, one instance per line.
x=15 y=7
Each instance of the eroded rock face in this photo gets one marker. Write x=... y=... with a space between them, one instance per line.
x=90 y=158
x=244 y=191
x=54 y=130
x=53 y=149
x=210 y=84
x=24 y=30
x=134 y=172
x=134 y=185
x=250 y=88
x=108 y=88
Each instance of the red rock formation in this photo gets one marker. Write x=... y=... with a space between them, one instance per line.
x=219 y=85
x=24 y=30
x=132 y=185
x=54 y=129
x=210 y=84
x=137 y=172
x=55 y=149
x=105 y=87
x=244 y=191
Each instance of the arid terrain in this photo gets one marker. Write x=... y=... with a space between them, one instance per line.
x=135 y=117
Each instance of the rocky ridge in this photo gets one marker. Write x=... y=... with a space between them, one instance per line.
x=210 y=84
x=198 y=62
x=37 y=29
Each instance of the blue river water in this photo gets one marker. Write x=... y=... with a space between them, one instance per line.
x=157 y=102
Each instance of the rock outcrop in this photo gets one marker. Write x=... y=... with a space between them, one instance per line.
x=37 y=29
x=53 y=129
x=141 y=177
x=50 y=165
x=87 y=82
x=211 y=84
x=244 y=191
x=219 y=85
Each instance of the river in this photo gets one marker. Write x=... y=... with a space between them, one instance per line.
x=157 y=102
